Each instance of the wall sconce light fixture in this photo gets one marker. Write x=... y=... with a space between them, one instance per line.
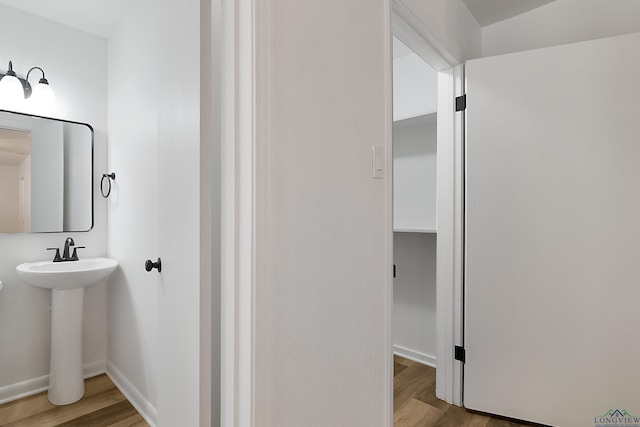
x=17 y=94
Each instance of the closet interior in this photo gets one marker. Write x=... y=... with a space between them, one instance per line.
x=414 y=205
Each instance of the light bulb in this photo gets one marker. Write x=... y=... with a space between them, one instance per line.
x=42 y=100
x=11 y=93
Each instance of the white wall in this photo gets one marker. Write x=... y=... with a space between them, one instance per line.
x=324 y=231
x=414 y=296
x=561 y=22
x=75 y=65
x=133 y=204
x=414 y=87
x=160 y=337
x=414 y=174
x=184 y=234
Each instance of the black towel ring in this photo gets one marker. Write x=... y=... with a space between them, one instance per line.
x=109 y=177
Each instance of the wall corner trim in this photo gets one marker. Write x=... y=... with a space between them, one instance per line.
x=412 y=32
x=133 y=395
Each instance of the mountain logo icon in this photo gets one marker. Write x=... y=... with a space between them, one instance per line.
x=616 y=418
x=617 y=413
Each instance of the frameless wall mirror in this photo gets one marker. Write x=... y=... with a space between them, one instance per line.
x=46 y=169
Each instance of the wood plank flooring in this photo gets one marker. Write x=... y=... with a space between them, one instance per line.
x=102 y=405
x=415 y=403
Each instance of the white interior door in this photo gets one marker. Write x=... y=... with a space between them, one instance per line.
x=552 y=234
x=181 y=358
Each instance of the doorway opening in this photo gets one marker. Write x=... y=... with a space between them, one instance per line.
x=445 y=203
x=414 y=205
x=415 y=104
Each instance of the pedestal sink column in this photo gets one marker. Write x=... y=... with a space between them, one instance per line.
x=66 y=382
x=67 y=281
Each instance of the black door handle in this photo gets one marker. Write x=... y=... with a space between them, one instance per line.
x=150 y=265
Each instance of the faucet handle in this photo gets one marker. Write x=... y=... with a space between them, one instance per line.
x=56 y=258
x=74 y=257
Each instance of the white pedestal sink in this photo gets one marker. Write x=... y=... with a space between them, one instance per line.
x=67 y=281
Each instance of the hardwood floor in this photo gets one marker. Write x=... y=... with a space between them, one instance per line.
x=102 y=405
x=415 y=403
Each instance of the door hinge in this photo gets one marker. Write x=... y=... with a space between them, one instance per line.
x=461 y=102
x=460 y=354
x=394 y=271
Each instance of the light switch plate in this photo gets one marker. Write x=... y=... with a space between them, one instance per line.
x=378 y=161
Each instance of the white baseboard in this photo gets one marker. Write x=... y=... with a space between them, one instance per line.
x=23 y=389
x=93 y=369
x=37 y=385
x=142 y=405
x=416 y=356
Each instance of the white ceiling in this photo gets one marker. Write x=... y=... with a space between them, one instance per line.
x=489 y=12
x=100 y=17
x=97 y=17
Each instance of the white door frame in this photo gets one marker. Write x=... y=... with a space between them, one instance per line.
x=241 y=22
x=238 y=75
x=412 y=32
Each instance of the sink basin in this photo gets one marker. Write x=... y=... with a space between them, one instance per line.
x=66 y=275
x=67 y=281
